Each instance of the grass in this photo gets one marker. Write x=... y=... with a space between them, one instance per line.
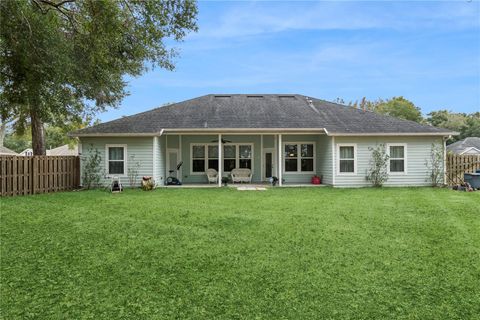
x=293 y=253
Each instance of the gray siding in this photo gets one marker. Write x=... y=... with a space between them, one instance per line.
x=158 y=162
x=138 y=150
x=325 y=159
x=418 y=151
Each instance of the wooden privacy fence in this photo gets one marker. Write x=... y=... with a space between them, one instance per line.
x=38 y=174
x=457 y=165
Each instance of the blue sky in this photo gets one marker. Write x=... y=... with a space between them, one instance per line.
x=428 y=52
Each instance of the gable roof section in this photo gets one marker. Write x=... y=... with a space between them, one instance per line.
x=6 y=151
x=462 y=146
x=64 y=150
x=259 y=111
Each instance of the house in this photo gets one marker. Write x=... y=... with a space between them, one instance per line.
x=27 y=152
x=470 y=145
x=4 y=151
x=290 y=136
x=64 y=150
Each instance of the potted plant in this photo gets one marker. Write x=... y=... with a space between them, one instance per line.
x=225 y=181
x=273 y=181
x=147 y=183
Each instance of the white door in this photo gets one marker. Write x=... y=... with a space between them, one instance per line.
x=172 y=162
x=268 y=163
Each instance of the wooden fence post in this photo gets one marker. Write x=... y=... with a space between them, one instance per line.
x=34 y=174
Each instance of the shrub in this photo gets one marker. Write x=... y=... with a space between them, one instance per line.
x=435 y=165
x=132 y=171
x=91 y=168
x=378 y=173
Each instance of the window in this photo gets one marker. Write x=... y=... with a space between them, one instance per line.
x=299 y=157
x=245 y=156
x=237 y=156
x=397 y=158
x=198 y=158
x=291 y=158
x=205 y=156
x=116 y=158
x=212 y=157
x=346 y=158
x=229 y=157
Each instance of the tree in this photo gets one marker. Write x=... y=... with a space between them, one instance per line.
x=399 y=107
x=17 y=142
x=471 y=127
x=61 y=60
x=446 y=119
x=54 y=136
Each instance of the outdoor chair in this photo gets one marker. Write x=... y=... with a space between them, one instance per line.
x=241 y=175
x=212 y=175
x=116 y=185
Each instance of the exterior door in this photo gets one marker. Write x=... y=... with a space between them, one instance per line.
x=172 y=162
x=269 y=163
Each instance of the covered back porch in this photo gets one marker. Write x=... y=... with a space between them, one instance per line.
x=292 y=157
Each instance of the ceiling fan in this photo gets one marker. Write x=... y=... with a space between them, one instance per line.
x=223 y=140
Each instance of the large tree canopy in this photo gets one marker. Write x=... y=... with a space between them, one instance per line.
x=61 y=60
x=400 y=107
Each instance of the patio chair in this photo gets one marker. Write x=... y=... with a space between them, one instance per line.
x=212 y=175
x=116 y=185
x=241 y=175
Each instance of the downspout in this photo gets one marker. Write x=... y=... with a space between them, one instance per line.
x=445 y=159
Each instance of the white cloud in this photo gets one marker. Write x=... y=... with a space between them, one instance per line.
x=249 y=19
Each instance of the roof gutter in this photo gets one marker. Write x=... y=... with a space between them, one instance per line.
x=403 y=134
x=242 y=130
x=86 y=135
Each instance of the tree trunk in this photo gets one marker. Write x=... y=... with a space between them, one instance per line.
x=38 y=134
x=3 y=129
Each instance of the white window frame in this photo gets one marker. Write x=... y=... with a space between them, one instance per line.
x=237 y=155
x=299 y=157
x=107 y=160
x=205 y=158
x=405 y=163
x=355 y=160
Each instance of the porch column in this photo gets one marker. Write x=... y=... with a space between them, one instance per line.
x=220 y=162
x=261 y=158
x=280 y=160
x=167 y=174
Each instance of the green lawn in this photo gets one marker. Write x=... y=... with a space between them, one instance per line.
x=292 y=253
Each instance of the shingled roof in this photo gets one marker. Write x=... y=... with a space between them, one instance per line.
x=465 y=145
x=260 y=111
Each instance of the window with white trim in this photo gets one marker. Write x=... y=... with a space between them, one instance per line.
x=245 y=156
x=346 y=158
x=299 y=157
x=397 y=158
x=198 y=158
x=238 y=155
x=205 y=156
x=229 y=157
x=212 y=162
x=116 y=155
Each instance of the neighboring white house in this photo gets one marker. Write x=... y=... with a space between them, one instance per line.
x=64 y=150
x=470 y=145
x=4 y=151
x=289 y=136
x=27 y=152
